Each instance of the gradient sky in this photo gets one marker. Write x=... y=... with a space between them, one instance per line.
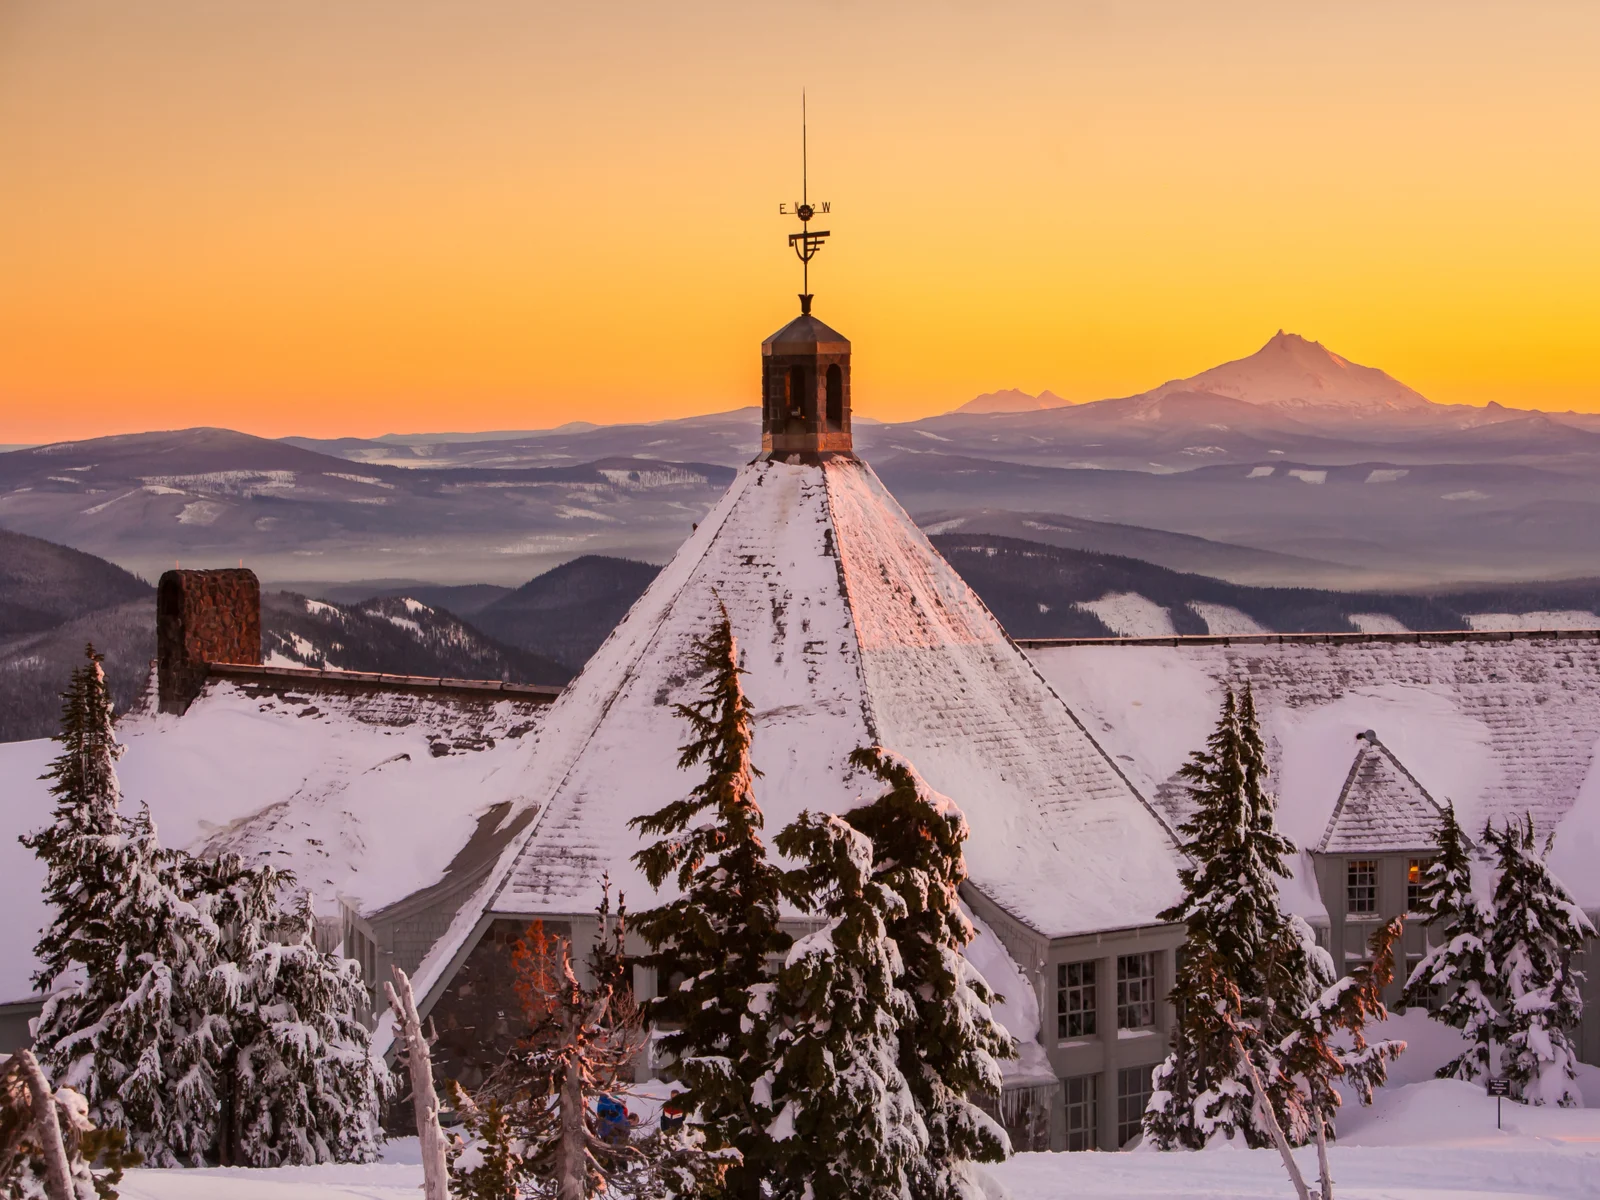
x=363 y=216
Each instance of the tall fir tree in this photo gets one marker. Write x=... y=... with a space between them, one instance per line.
x=723 y=926
x=951 y=1046
x=297 y=1084
x=847 y=1125
x=86 y=854
x=1236 y=935
x=1457 y=976
x=154 y=997
x=126 y=954
x=1538 y=929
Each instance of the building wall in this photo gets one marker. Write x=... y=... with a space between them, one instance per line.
x=1349 y=932
x=1109 y=1056
x=15 y=1019
x=478 y=1016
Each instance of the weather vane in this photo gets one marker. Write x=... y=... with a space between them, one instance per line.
x=808 y=241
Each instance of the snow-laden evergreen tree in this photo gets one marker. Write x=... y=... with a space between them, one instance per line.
x=127 y=954
x=149 y=1063
x=723 y=926
x=1537 y=930
x=146 y=1015
x=951 y=1046
x=1238 y=935
x=85 y=850
x=847 y=1126
x=1457 y=973
x=297 y=1083
x=1330 y=1047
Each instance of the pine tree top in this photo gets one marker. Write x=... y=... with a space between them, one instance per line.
x=721 y=724
x=1236 y=854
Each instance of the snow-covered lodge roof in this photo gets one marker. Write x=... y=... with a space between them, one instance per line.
x=852 y=630
x=1382 y=807
x=364 y=788
x=1497 y=724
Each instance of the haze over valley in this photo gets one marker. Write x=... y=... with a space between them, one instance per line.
x=1293 y=466
x=1290 y=491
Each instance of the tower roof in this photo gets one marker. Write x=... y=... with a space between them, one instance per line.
x=806 y=335
x=1382 y=807
x=852 y=630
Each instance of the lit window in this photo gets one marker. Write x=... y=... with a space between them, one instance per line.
x=1414 y=870
x=1083 y=1112
x=1361 y=885
x=1133 y=1097
x=1075 y=1000
x=1136 y=991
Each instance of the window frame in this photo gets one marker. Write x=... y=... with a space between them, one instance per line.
x=1086 y=990
x=1086 y=1135
x=1136 y=989
x=1416 y=870
x=1361 y=880
x=1131 y=1126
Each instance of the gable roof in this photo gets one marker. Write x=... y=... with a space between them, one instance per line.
x=851 y=630
x=1382 y=808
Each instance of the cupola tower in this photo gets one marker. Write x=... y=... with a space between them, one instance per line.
x=805 y=389
x=805 y=366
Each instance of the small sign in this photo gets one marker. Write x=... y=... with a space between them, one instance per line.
x=1499 y=1087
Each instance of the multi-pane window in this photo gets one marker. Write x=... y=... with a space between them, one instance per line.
x=1075 y=999
x=1136 y=991
x=1133 y=1095
x=1083 y=1111
x=1414 y=870
x=1361 y=885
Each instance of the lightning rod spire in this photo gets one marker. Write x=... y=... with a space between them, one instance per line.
x=808 y=241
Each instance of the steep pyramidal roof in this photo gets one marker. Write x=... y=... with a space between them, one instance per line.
x=852 y=630
x=1382 y=807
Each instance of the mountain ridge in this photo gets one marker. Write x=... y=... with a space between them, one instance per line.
x=1012 y=400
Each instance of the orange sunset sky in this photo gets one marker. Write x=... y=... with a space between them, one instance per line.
x=362 y=216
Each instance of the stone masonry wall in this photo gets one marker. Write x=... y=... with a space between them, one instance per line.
x=201 y=617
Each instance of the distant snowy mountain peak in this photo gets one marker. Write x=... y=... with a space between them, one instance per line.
x=1293 y=372
x=1012 y=400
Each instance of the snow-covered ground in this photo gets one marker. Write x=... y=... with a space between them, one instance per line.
x=1424 y=1141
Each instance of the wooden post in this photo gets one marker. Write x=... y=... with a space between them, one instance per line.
x=58 y=1173
x=424 y=1098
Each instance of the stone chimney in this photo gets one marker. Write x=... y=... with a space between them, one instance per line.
x=203 y=617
